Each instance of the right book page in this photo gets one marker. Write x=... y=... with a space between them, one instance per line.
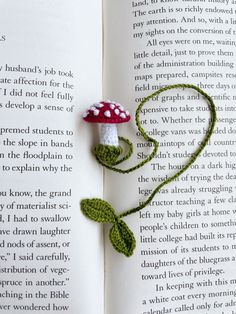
x=185 y=255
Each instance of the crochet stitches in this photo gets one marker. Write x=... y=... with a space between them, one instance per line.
x=121 y=236
x=98 y=210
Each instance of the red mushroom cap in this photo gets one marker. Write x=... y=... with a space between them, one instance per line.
x=106 y=112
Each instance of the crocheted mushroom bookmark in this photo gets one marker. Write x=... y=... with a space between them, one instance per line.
x=108 y=152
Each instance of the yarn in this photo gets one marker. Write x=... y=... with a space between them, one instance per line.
x=121 y=236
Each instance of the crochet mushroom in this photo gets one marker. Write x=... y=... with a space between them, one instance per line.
x=108 y=114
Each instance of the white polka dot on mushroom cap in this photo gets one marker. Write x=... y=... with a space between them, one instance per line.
x=98 y=105
x=122 y=115
x=112 y=106
x=117 y=111
x=85 y=114
x=96 y=112
x=93 y=108
x=127 y=112
x=107 y=114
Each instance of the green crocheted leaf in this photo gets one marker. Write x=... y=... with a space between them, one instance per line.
x=98 y=210
x=122 y=238
x=108 y=153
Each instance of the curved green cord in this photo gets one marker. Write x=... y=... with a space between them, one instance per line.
x=194 y=156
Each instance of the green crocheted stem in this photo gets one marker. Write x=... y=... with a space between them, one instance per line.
x=194 y=156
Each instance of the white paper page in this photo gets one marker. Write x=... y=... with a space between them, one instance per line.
x=185 y=255
x=50 y=71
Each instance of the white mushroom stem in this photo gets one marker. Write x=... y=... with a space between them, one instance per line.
x=108 y=135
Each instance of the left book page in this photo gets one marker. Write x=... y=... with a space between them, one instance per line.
x=51 y=257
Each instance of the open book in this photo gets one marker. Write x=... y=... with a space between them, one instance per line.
x=57 y=59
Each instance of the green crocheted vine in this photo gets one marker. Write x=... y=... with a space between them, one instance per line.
x=98 y=210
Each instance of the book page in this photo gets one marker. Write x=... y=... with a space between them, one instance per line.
x=185 y=254
x=50 y=71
